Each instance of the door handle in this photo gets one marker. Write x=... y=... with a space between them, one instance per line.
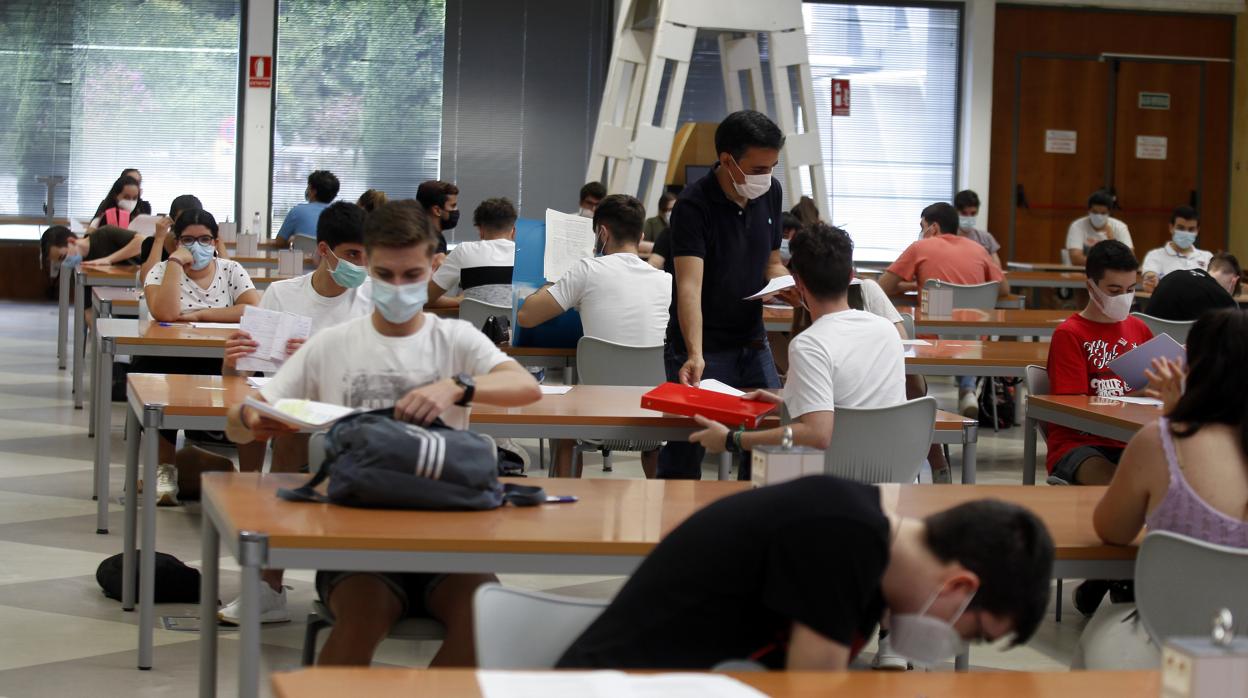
x=1020 y=197
x=1193 y=200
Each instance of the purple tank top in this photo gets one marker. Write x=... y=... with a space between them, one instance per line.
x=1183 y=511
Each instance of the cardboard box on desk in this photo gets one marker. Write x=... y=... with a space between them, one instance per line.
x=1195 y=667
x=936 y=301
x=776 y=464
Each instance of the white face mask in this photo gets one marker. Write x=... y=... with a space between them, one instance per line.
x=754 y=186
x=926 y=640
x=127 y=204
x=1098 y=220
x=1116 y=308
x=586 y=212
x=966 y=222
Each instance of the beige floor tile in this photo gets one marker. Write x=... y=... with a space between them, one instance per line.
x=36 y=637
x=27 y=563
x=16 y=507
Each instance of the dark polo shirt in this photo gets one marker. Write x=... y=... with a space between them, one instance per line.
x=735 y=245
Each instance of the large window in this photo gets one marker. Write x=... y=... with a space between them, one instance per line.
x=359 y=93
x=95 y=86
x=896 y=152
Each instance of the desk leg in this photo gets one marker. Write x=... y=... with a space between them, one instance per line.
x=95 y=385
x=147 y=546
x=103 y=436
x=210 y=555
x=133 y=439
x=80 y=348
x=962 y=662
x=725 y=465
x=1029 y=451
x=252 y=553
x=970 y=441
x=62 y=317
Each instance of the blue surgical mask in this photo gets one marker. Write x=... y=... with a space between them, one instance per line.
x=1184 y=239
x=966 y=222
x=398 y=304
x=73 y=260
x=784 y=251
x=201 y=255
x=346 y=274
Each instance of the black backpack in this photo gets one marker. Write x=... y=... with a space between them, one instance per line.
x=175 y=582
x=1005 y=393
x=497 y=328
x=377 y=461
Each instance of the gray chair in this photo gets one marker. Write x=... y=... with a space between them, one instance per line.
x=406 y=629
x=599 y=362
x=881 y=444
x=907 y=321
x=1177 y=329
x=1036 y=379
x=978 y=296
x=1181 y=582
x=522 y=629
x=304 y=243
x=477 y=312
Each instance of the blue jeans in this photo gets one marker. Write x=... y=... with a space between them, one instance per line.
x=966 y=382
x=748 y=367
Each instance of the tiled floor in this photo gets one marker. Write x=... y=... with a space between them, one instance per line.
x=60 y=636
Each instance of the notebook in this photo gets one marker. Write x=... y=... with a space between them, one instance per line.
x=1130 y=366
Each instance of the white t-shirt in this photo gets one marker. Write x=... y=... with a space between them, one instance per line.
x=620 y=297
x=299 y=297
x=353 y=364
x=1081 y=231
x=848 y=359
x=229 y=282
x=876 y=302
x=482 y=268
x=1164 y=260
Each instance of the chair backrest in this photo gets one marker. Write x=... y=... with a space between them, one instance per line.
x=881 y=444
x=907 y=321
x=599 y=362
x=303 y=243
x=1175 y=328
x=477 y=312
x=522 y=629
x=1181 y=582
x=1037 y=382
x=978 y=296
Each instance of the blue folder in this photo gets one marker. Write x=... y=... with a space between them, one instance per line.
x=563 y=331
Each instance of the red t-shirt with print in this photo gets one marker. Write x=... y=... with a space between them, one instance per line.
x=1078 y=355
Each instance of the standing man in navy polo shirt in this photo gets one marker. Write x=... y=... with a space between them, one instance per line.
x=726 y=232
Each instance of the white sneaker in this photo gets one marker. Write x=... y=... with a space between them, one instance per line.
x=166 y=485
x=272 y=607
x=519 y=451
x=885 y=660
x=968 y=405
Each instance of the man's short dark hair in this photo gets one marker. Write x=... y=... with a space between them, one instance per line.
x=666 y=198
x=435 y=193
x=1008 y=548
x=401 y=223
x=194 y=216
x=1221 y=260
x=788 y=221
x=325 y=185
x=965 y=199
x=1101 y=198
x=496 y=215
x=745 y=129
x=186 y=202
x=593 y=190
x=624 y=217
x=822 y=256
x=54 y=236
x=339 y=224
x=943 y=215
x=1186 y=212
x=1109 y=255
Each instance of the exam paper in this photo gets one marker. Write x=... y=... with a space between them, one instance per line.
x=1133 y=400
x=144 y=225
x=915 y=343
x=569 y=239
x=777 y=284
x=258 y=381
x=609 y=684
x=215 y=325
x=555 y=389
x=719 y=387
x=271 y=330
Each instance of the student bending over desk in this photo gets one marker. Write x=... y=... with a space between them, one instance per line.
x=425 y=367
x=1186 y=473
x=797 y=575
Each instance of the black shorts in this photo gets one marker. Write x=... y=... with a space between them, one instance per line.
x=411 y=588
x=1066 y=466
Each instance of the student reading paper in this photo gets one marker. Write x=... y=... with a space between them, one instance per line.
x=423 y=366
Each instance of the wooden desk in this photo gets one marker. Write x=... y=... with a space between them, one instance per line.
x=1098 y=416
x=1047 y=279
x=1043 y=266
x=948 y=357
x=117 y=275
x=389 y=682
x=608 y=531
x=1001 y=323
x=548 y=357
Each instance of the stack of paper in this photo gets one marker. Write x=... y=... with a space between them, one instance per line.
x=271 y=330
x=609 y=684
x=774 y=286
x=719 y=387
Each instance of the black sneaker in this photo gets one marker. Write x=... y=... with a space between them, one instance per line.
x=1088 y=595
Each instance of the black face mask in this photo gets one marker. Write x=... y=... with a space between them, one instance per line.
x=451 y=220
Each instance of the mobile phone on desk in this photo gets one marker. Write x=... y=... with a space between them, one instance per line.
x=564 y=499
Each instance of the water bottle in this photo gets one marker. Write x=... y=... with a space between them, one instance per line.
x=255 y=224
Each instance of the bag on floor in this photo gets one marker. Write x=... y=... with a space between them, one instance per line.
x=175 y=582
x=1004 y=395
x=374 y=460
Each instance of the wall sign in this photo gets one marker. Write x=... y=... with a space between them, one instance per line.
x=1155 y=100
x=1150 y=147
x=840 y=97
x=260 y=71
x=1063 y=142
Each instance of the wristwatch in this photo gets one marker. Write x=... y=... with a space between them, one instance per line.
x=465 y=381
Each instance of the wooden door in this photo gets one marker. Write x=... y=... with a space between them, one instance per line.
x=1157 y=153
x=1057 y=96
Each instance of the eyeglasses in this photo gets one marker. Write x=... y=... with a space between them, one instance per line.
x=187 y=241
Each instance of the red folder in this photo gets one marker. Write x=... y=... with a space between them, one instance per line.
x=675 y=398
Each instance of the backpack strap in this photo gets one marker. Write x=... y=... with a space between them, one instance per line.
x=307 y=491
x=524 y=495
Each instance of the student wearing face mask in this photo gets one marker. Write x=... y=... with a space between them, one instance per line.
x=143 y=208
x=1187 y=294
x=119 y=206
x=967 y=203
x=815 y=565
x=726 y=245
x=1179 y=253
x=441 y=200
x=482 y=268
x=791 y=224
x=1080 y=349
x=301 y=219
x=657 y=224
x=591 y=194
x=423 y=366
x=1098 y=225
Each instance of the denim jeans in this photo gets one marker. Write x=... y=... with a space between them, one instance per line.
x=748 y=367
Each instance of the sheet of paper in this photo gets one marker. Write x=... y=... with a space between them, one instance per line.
x=258 y=381
x=271 y=330
x=915 y=343
x=78 y=227
x=609 y=684
x=777 y=284
x=569 y=238
x=215 y=325
x=1133 y=400
x=555 y=389
x=308 y=415
x=144 y=225
x=719 y=387
x=778 y=306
